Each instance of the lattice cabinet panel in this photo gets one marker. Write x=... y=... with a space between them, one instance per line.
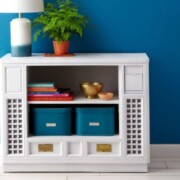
x=134 y=126
x=15 y=126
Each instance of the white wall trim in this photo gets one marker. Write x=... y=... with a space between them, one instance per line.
x=165 y=151
x=1 y=155
x=0 y=149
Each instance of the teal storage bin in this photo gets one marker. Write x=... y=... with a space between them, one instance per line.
x=95 y=121
x=51 y=121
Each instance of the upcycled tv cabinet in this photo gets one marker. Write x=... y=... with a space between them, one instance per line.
x=126 y=75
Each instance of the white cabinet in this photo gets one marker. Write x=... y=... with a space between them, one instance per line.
x=126 y=75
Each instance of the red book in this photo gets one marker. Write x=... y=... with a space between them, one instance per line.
x=42 y=89
x=70 y=98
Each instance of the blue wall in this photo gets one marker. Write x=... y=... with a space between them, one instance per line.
x=151 y=26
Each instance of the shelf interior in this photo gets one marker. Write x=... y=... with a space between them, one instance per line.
x=73 y=121
x=72 y=76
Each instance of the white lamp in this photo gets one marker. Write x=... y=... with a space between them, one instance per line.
x=21 y=27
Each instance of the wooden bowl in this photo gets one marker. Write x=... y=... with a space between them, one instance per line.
x=105 y=95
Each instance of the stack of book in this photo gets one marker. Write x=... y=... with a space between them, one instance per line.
x=48 y=92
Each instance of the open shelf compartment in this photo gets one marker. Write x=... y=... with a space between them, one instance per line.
x=72 y=76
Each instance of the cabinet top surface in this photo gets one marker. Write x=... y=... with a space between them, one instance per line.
x=78 y=59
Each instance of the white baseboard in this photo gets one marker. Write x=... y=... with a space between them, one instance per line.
x=0 y=155
x=0 y=150
x=165 y=151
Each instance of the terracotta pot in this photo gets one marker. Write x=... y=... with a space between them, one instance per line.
x=61 y=48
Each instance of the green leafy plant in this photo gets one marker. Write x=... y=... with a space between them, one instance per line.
x=59 y=21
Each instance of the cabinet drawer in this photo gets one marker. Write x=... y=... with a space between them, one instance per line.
x=104 y=149
x=133 y=83
x=49 y=148
x=13 y=79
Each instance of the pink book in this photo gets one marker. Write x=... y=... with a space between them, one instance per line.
x=49 y=95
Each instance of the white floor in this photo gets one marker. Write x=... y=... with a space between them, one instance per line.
x=159 y=169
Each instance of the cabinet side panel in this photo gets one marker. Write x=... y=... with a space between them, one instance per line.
x=146 y=113
x=13 y=79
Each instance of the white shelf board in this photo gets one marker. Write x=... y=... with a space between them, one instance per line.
x=79 y=59
x=73 y=138
x=80 y=100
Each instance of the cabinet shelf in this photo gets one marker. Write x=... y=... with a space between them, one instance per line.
x=79 y=99
x=73 y=138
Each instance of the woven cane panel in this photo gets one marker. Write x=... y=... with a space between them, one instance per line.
x=15 y=126
x=134 y=127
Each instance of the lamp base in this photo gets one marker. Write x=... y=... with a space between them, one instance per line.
x=21 y=51
x=20 y=37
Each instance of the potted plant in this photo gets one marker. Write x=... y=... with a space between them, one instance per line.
x=60 y=21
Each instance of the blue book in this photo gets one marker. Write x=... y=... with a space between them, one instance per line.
x=46 y=84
